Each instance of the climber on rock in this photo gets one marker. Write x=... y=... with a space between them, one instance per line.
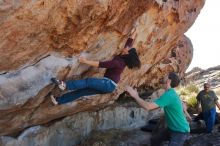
x=106 y=84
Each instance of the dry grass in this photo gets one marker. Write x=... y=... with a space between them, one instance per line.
x=189 y=93
x=217 y=91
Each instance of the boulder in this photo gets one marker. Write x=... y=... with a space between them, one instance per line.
x=43 y=39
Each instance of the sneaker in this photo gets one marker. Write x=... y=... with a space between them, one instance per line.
x=59 y=83
x=55 y=81
x=53 y=100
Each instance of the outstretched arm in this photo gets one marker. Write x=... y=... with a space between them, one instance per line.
x=140 y=101
x=130 y=40
x=186 y=112
x=216 y=100
x=217 y=104
x=198 y=105
x=88 y=62
x=133 y=33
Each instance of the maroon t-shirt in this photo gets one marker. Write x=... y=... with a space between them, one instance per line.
x=114 y=68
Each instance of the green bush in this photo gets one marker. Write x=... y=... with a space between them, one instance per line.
x=192 y=88
x=191 y=101
x=188 y=90
x=183 y=92
x=189 y=93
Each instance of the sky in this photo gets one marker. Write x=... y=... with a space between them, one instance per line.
x=205 y=36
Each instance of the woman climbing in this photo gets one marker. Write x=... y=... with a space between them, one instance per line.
x=107 y=84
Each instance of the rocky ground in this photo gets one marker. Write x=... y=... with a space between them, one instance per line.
x=118 y=138
x=141 y=138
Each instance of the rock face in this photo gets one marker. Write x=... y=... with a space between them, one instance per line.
x=199 y=76
x=73 y=129
x=41 y=39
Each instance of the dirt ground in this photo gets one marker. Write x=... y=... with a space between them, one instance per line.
x=141 y=138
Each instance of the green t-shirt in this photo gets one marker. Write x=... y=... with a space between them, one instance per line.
x=173 y=110
x=207 y=99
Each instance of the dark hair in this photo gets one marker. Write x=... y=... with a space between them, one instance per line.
x=206 y=84
x=131 y=59
x=175 y=80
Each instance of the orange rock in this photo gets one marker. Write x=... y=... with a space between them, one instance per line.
x=40 y=39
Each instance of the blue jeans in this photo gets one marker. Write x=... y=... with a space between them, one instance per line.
x=175 y=138
x=209 y=118
x=86 y=87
